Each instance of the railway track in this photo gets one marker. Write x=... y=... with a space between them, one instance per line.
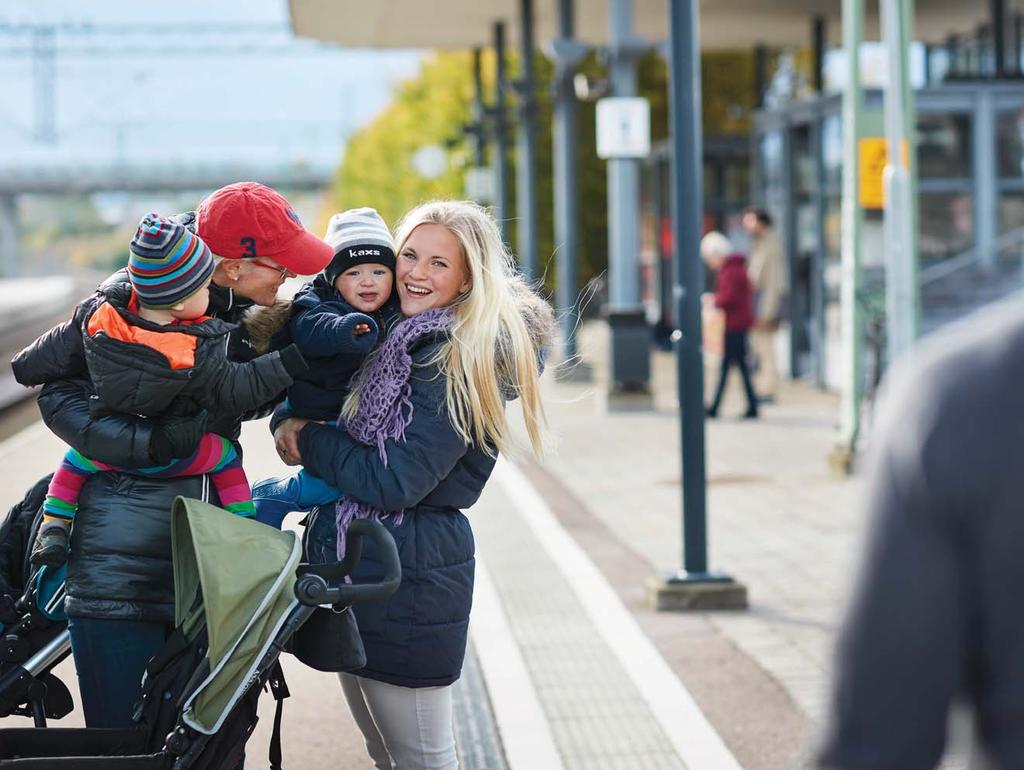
x=26 y=311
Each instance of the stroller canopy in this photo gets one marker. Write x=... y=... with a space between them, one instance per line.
x=236 y=577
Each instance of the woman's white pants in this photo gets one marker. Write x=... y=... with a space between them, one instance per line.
x=406 y=728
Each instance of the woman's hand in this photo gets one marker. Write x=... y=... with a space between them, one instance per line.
x=286 y=440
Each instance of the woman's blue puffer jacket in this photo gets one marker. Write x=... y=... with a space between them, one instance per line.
x=418 y=637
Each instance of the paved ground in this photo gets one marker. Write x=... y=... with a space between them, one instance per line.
x=569 y=667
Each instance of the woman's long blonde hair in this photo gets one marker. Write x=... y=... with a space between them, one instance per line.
x=499 y=329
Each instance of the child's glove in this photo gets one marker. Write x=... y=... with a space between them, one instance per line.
x=357 y=339
x=176 y=437
x=293 y=361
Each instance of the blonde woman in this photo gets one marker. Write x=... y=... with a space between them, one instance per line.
x=423 y=427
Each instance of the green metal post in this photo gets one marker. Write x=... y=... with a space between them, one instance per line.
x=901 y=283
x=850 y=325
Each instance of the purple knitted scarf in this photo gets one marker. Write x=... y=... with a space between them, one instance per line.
x=385 y=405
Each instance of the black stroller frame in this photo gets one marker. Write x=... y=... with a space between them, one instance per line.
x=161 y=740
x=31 y=647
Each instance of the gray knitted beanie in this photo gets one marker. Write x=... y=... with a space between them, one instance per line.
x=359 y=237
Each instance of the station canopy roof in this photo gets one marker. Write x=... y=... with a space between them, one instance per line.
x=724 y=24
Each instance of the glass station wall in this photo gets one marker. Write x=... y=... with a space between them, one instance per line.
x=970 y=148
x=726 y=172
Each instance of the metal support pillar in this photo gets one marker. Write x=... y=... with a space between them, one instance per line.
x=687 y=205
x=997 y=9
x=986 y=209
x=819 y=292
x=851 y=326
x=526 y=151
x=629 y=370
x=659 y=171
x=479 y=113
x=500 y=132
x=44 y=75
x=564 y=135
x=953 y=56
x=901 y=285
x=1018 y=39
x=10 y=262
x=760 y=74
x=695 y=586
x=818 y=32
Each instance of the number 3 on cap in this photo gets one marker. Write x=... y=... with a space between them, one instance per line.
x=250 y=247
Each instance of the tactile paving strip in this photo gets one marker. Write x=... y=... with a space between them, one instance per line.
x=598 y=718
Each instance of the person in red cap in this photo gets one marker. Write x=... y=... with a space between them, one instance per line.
x=120 y=598
x=260 y=239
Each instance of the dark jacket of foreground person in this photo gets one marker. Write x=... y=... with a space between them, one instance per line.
x=938 y=610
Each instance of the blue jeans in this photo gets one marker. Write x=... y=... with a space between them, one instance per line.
x=110 y=658
x=301 y=491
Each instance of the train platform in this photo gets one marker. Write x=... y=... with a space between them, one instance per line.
x=568 y=665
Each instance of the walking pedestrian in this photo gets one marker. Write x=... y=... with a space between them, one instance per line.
x=766 y=270
x=733 y=297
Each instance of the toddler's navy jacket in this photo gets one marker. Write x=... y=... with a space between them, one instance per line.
x=322 y=326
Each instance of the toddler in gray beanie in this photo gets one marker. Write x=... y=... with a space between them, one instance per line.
x=336 y=320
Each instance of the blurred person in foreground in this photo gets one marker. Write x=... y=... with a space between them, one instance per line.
x=733 y=296
x=936 y=615
x=766 y=270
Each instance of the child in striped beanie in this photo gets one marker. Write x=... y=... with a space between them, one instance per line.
x=157 y=354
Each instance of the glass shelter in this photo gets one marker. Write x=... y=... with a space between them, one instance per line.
x=970 y=154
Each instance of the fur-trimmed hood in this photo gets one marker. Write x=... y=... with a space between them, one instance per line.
x=538 y=315
x=262 y=323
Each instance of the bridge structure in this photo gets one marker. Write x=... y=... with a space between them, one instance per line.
x=115 y=156
x=68 y=177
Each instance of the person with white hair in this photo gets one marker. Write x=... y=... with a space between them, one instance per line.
x=734 y=297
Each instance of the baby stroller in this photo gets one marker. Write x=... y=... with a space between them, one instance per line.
x=33 y=634
x=31 y=647
x=241 y=595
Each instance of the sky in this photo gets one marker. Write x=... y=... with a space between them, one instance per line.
x=145 y=89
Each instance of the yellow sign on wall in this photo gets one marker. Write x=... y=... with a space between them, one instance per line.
x=873 y=154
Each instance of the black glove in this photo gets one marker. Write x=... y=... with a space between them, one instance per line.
x=293 y=361
x=176 y=437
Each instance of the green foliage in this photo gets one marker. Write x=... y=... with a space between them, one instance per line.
x=727 y=92
x=428 y=110
x=433 y=107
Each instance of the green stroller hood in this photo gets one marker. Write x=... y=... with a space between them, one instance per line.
x=239 y=576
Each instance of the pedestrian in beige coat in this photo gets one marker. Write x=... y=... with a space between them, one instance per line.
x=766 y=270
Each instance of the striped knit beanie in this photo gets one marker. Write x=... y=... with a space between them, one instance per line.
x=358 y=237
x=168 y=264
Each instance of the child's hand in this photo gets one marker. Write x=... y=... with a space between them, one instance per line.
x=361 y=329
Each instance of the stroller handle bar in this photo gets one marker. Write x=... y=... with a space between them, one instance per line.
x=312 y=589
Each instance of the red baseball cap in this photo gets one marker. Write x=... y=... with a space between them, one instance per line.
x=248 y=219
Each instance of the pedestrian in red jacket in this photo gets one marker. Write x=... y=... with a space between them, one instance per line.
x=735 y=297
